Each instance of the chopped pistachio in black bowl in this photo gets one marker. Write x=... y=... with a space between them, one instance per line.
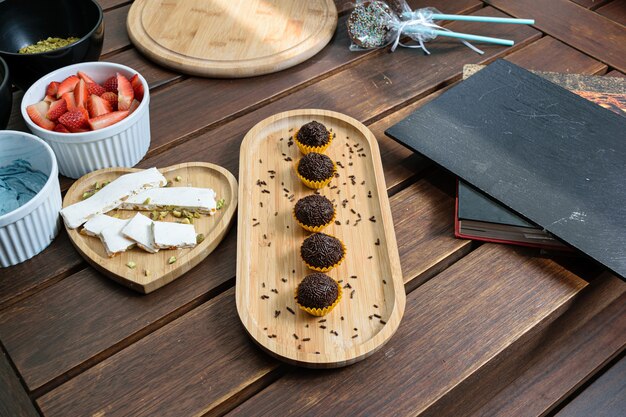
x=26 y=22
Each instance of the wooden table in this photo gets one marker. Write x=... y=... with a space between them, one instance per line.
x=488 y=330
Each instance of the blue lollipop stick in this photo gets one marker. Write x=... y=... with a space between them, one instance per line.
x=466 y=18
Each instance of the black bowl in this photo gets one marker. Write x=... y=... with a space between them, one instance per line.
x=25 y=22
x=6 y=96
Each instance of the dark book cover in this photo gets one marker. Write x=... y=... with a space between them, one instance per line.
x=549 y=155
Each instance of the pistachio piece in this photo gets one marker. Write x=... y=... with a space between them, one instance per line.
x=178 y=178
x=163 y=215
x=131 y=264
x=176 y=213
x=196 y=214
x=87 y=194
x=220 y=203
x=154 y=215
x=199 y=238
x=185 y=221
x=146 y=201
x=171 y=260
x=169 y=183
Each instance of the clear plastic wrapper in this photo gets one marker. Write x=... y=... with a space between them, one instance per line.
x=376 y=24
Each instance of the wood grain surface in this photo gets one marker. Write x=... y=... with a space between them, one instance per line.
x=615 y=10
x=83 y=345
x=590 y=33
x=269 y=266
x=230 y=38
x=605 y=397
x=153 y=270
x=14 y=401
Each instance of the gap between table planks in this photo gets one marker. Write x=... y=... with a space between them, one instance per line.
x=582 y=29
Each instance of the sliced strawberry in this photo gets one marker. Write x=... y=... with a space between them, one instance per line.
x=50 y=99
x=108 y=119
x=70 y=101
x=52 y=89
x=111 y=98
x=56 y=110
x=137 y=87
x=97 y=106
x=110 y=84
x=125 y=93
x=133 y=106
x=61 y=129
x=68 y=85
x=86 y=78
x=81 y=94
x=37 y=113
x=96 y=89
x=74 y=120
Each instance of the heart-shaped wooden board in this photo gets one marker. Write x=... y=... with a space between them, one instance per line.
x=152 y=270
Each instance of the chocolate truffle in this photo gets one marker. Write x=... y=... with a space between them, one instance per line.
x=314 y=211
x=317 y=291
x=322 y=252
x=313 y=134
x=316 y=167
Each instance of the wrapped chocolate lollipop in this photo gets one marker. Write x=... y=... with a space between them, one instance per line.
x=375 y=24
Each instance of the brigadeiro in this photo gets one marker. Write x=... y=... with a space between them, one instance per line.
x=322 y=252
x=315 y=170
x=318 y=294
x=313 y=137
x=314 y=212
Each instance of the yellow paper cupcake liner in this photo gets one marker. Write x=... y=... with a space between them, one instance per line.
x=314 y=229
x=321 y=311
x=305 y=149
x=328 y=268
x=316 y=184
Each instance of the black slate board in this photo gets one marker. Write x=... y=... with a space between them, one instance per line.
x=474 y=205
x=551 y=156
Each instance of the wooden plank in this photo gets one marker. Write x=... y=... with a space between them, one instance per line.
x=591 y=4
x=109 y=4
x=14 y=401
x=422 y=200
x=588 y=32
x=57 y=262
x=605 y=397
x=546 y=368
x=615 y=10
x=455 y=324
x=549 y=54
x=115 y=35
x=616 y=73
x=154 y=75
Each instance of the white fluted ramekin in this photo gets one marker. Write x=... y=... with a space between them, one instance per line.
x=123 y=144
x=27 y=230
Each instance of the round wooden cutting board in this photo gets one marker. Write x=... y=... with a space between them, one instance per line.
x=231 y=38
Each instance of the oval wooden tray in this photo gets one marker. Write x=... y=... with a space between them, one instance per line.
x=231 y=38
x=269 y=266
x=160 y=272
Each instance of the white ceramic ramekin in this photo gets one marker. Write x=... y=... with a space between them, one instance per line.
x=29 y=229
x=123 y=144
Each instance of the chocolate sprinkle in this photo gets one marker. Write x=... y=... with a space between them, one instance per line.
x=313 y=134
x=321 y=250
x=317 y=291
x=316 y=167
x=314 y=210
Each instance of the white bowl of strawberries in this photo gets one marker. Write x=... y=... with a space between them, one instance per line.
x=93 y=115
